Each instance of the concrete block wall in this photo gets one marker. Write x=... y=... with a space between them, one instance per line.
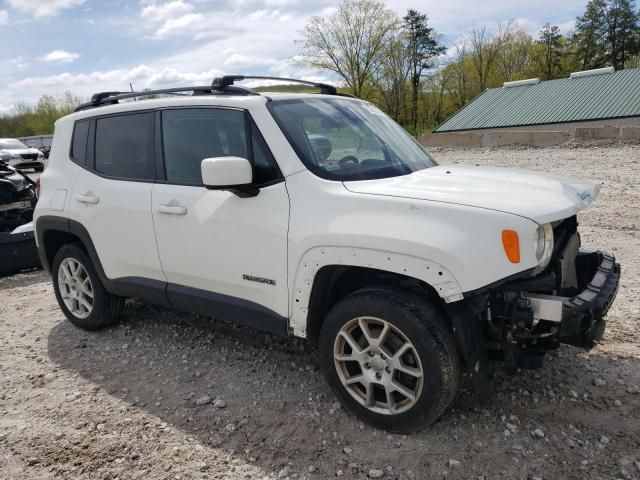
x=538 y=136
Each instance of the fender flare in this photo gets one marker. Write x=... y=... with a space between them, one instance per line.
x=50 y=223
x=432 y=273
x=155 y=291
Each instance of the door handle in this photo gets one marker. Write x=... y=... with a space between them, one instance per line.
x=89 y=198
x=172 y=209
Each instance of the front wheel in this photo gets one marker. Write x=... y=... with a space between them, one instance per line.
x=391 y=358
x=79 y=291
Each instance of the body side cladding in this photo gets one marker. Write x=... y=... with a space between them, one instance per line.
x=431 y=273
x=46 y=224
x=225 y=307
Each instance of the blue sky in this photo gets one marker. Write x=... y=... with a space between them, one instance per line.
x=49 y=46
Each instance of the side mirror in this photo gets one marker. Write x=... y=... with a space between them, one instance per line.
x=228 y=173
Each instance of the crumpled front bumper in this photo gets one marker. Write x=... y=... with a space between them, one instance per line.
x=583 y=315
x=580 y=319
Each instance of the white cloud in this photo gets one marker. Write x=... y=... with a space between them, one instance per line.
x=4 y=17
x=60 y=56
x=182 y=25
x=166 y=11
x=43 y=8
x=171 y=19
x=19 y=62
x=141 y=76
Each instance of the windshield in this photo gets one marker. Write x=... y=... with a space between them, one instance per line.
x=11 y=144
x=342 y=139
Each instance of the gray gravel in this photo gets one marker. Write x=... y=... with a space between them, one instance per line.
x=121 y=403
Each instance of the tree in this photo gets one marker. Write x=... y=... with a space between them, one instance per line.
x=621 y=31
x=50 y=108
x=393 y=78
x=516 y=57
x=422 y=48
x=351 y=42
x=485 y=49
x=551 y=41
x=608 y=33
x=27 y=120
x=587 y=39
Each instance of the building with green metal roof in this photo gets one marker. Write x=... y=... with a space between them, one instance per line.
x=594 y=98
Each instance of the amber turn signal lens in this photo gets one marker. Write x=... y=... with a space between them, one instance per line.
x=511 y=245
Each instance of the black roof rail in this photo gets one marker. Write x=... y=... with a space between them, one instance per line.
x=220 y=85
x=228 y=80
x=111 y=98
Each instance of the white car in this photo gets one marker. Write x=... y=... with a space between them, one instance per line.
x=317 y=216
x=21 y=156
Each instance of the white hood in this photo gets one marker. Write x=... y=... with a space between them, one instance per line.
x=540 y=197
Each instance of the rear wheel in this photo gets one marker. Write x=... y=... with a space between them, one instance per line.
x=79 y=291
x=391 y=358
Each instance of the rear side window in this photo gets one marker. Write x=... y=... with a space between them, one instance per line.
x=124 y=146
x=192 y=134
x=79 y=144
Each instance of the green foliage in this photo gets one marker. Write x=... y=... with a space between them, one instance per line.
x=551 y=42
x=608 y=33
x=38 y=119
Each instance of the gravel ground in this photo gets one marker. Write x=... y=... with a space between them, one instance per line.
x=166 y=395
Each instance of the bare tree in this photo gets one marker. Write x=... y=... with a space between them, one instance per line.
x=460 y=76
x=485 y=49
x=516 y=55
x=351 y=42
x=393 y=78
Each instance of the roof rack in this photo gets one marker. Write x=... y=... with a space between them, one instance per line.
x=220 y=85
x=228 y=80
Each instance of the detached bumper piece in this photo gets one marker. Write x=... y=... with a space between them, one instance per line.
x=18 y=252
x=583 y=315
x=580 y=319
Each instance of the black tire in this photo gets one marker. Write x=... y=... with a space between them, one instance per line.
x=106 y=306
x=429 y=333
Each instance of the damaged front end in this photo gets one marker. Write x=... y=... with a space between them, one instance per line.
x=566 y=303
x=518 y=320
x=17 y=197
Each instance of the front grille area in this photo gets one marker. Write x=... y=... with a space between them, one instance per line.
x=29 y=156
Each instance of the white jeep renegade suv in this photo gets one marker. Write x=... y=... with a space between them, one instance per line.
x=315 y=215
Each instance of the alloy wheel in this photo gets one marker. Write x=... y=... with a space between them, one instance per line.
x=75 y=287
x=378 y=365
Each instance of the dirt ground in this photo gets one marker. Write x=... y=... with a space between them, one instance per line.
x=121 y=403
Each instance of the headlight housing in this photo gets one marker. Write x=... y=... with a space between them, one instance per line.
x=544 y=244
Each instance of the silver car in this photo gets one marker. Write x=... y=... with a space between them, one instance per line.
x=20 y=156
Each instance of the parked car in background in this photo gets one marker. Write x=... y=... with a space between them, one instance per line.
x=41 y=142
x=21 y=156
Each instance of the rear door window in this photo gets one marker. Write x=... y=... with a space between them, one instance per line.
x=124 y=146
